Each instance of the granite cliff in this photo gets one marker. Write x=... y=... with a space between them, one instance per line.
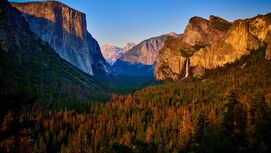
x=199 y=33
x=65 y=30
x=27 y=63
x=242 y=37
x=208 y=44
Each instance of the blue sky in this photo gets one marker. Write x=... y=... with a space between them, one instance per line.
x=119 y=21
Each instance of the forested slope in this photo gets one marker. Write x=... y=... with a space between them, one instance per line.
x=227 y=110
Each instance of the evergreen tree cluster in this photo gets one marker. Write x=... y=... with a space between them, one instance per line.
x=227 y=110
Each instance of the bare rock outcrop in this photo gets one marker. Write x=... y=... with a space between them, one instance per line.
x=65 y=29
x=199 y=33
x=213 y=43
x=242 y=37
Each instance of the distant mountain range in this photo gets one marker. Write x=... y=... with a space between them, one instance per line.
x=205 y=44
x=113 y=53
x=146 y=51
x=140 y=60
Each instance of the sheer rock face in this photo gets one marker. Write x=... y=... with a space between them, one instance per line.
x=238 y=41
x=65 y=30
x=243 y=36
x=169 y=61
x=26 y=59
x=220 y=42
x=198 y=33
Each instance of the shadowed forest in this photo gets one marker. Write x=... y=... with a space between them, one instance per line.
x=211 y=114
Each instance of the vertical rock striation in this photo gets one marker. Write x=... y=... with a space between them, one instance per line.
x=65 y=30
x=30 y=64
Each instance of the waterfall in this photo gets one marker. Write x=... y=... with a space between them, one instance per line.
x=186 y=68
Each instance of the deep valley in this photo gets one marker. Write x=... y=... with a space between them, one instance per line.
x=206 y=90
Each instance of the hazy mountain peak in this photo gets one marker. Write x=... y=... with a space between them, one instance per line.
x=130 y=43
x=108 y=46
x=128 y=46
x=111 y=52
